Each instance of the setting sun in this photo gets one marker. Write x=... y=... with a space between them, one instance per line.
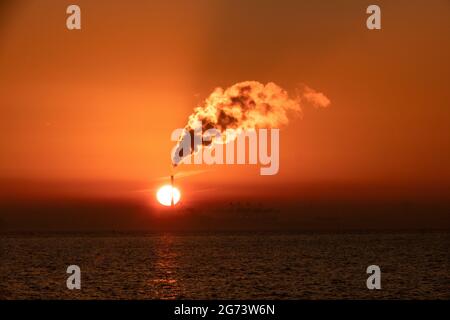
x=166 y=194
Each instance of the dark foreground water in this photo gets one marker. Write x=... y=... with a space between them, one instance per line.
x=226 y=266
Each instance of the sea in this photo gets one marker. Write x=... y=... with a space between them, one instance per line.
x=258 y=265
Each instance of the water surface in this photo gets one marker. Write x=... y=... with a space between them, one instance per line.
x=226 y=266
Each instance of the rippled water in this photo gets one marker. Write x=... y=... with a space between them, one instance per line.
x=226 y=266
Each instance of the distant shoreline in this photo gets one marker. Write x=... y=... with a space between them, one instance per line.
x=139 y=233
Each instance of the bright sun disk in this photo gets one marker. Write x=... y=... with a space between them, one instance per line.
x=165 y=194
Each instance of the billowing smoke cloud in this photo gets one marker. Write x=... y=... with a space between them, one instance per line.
x=243 y=106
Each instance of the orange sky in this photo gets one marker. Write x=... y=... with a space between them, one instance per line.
x=97 y=106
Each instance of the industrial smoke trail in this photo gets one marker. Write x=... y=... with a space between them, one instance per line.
x=243 y=106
